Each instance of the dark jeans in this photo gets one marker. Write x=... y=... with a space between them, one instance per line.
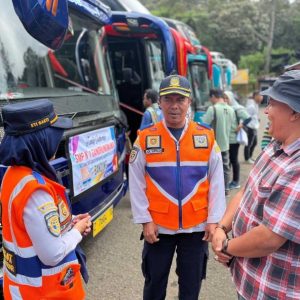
x=226 y=167
x=234 y=161
x=191 y=261
x=252 y=142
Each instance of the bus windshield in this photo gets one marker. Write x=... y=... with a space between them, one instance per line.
x=28 y=69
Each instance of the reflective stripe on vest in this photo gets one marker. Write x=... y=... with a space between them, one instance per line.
x=29 y=268
x=15 y=292
x=18 y=188
x=153 y=114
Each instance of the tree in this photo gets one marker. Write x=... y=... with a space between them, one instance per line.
x=238 y=27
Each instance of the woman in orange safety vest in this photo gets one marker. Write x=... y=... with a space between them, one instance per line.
x=39 y=236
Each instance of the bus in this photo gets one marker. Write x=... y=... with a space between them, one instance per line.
x=60 y=53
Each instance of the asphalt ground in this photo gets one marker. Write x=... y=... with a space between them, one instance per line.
x=114 y=258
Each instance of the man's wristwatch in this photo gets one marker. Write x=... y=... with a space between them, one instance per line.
x=223 y=228
x=225 y=246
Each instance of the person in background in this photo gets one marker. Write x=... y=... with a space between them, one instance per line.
x=39 y=235
x=252 y=127
x=152 y=113
x=265 y=215
x=221 y=117
x=266 y=138
x=242 y=118
x=176 y=189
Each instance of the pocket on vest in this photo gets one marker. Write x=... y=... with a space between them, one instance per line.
x=159 y=206
x=198 y=205
x=65 y=285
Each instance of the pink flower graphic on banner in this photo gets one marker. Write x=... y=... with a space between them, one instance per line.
x=74 y=144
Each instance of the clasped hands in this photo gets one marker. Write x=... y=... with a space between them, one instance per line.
x=219 y=237
x=82 y=223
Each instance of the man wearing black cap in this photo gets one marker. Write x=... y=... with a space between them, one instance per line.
x=177 y=193
x=39 y=236
x=265 y=216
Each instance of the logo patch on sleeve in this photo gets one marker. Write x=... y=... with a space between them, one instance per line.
x=47 y=207
x=200 y=141
x=217 y=148
x=133 y=154
x=52 y=222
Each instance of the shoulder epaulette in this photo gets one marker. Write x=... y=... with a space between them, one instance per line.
x=204 y=125
x=151 y=127
x=147 y=126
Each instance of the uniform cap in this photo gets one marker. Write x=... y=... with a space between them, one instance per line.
x=175 y=84
x=286 y=89
x=25 y=117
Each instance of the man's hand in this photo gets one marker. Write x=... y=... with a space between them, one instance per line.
x=209 y=231
x=217 y=241
x=150 y=232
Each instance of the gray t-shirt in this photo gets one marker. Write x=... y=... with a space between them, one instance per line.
x=225 y=117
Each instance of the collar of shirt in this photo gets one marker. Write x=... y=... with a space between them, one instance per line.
x=288 y=150
x=187 y=122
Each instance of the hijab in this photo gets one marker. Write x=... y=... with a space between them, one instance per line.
x=33 y=150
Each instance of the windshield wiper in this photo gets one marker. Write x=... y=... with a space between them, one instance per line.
x=72 y=115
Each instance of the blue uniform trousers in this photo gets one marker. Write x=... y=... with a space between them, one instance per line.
x=192 y=254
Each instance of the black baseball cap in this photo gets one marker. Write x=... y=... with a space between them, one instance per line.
x=175 y=84
x=29 y=116
x=286 y=89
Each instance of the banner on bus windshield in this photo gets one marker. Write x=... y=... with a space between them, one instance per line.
x=93 y=158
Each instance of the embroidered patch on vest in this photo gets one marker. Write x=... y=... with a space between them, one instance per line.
x=153 y=144
x=52 y=222
x=64 y=213
x=68 y=277
x=47 y=207
x=133 y=154
x=10 y=261
x=200 y=141
x=153 y=141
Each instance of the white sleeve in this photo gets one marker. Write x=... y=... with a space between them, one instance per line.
x=137 y=187
x=251 y=110
x=50 y=249
x=216 y=195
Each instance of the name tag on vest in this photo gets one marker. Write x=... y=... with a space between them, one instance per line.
x=10 y=261
x=153 y=151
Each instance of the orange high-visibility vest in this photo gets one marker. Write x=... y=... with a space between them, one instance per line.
x=176 y=174
x=25 y=276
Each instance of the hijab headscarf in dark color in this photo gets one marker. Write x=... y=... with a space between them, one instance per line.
x=33 y=150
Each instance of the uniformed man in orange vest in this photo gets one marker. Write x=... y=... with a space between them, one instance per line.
x=177 y=193
x=39 y=236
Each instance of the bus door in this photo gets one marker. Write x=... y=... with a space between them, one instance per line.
x=142 y=53
x=198 y=77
